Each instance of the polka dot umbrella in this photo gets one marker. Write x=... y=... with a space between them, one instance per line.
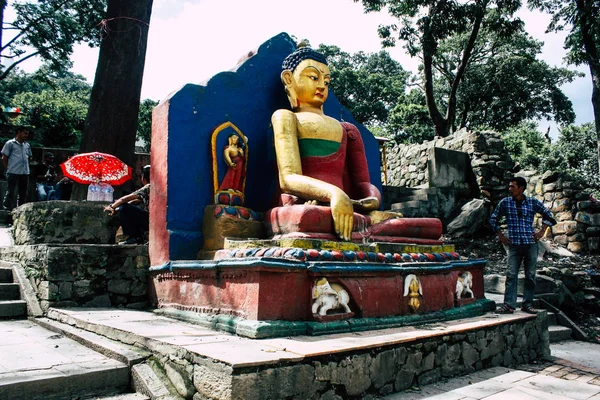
x=96 y=167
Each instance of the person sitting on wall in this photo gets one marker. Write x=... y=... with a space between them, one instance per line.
x=133 y=210
x=46 y=178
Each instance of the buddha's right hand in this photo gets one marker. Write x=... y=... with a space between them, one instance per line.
x=343 y=213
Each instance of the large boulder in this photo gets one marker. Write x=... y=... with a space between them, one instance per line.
x=63 y=222
x=472 y=216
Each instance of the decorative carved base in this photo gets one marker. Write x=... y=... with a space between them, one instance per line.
x=333 y=317
x=464 y=302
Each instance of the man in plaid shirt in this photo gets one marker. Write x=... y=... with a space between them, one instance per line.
x=519 y=211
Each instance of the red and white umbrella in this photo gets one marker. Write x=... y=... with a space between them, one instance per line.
x=96 y=167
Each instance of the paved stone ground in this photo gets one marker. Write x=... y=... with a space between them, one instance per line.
x=34 y=361
x=29 y=350
x=574 y=373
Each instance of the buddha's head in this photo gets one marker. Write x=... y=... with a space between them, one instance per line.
x=306 y=78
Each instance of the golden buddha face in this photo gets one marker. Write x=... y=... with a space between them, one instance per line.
x=308 y=85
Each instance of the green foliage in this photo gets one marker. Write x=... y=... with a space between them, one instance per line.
x=576 y=151
x=54 y=104
x=368 y=84
x=424 y=24
x=526 y=145
x=409 y=120
x=144 y=131
x=56 y=115
x=581 y=20
x=505 y=84
x=49 y=29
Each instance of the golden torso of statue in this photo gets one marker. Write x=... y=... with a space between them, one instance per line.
x=318 y=126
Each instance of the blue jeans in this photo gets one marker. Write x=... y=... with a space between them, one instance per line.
x=16 y=183
x=527 y=255
x=45 y=192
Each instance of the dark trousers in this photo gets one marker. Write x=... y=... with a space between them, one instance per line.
x=134 y=220
x=525 y=254
x=13 y=182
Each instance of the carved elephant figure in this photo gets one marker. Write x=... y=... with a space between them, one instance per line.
x=328 y=298
x=463 y=285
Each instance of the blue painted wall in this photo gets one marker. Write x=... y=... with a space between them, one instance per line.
x=246 y=97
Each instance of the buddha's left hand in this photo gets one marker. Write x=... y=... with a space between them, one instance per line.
x=368 y=203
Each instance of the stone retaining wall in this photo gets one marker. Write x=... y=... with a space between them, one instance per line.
x=491 y=163
x=64 y=222
x=578 y=218
x=368 y=373
x=85 y=275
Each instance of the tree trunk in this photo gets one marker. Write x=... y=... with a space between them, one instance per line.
x=451 y=111
x=111 y=123
x=2 y=7
x=429 y=46
x=593 y=59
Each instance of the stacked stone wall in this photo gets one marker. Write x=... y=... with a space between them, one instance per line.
x=375 y=372
x=491 y=163
x=66 y=250
x=578 y=217
x=85 y=275
x=568 y=199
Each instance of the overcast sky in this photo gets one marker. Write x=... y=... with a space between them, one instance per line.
x=191 y=40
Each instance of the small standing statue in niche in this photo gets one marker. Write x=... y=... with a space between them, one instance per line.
x=235 y=159
x=413 y=289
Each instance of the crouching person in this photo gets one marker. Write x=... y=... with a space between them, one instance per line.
x=133 y=211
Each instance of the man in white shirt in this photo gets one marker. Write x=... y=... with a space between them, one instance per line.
x=15 y=157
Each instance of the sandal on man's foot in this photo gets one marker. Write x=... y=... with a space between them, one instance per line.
x=505 y=309
x=528 y=308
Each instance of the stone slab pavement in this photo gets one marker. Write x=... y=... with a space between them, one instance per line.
x=36 y=359
x=574 y=373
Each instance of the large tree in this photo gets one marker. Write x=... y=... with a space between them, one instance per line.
x=581 y=19
x=423 y=24
x=368 y=84
x=505 y=83
x=48 y=29
x=54 y=103
x=112 y=118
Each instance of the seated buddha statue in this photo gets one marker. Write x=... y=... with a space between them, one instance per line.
x=323 y=166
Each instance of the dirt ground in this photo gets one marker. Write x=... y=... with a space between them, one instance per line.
x=586 y=311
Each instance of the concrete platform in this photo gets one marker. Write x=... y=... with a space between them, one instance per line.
x=154 y=331
x=354 y=365
x=39 y=364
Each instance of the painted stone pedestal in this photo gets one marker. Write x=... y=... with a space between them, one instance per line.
x=267 y=288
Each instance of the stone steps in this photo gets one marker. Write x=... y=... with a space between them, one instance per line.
x=415 y=202
x=91 y=380
x=9 y=291
x=39 y=364
x=5 y=217
x=10 y=309
x=556 y=331
x=147 y=383
x=11 y=305
x=6 y=275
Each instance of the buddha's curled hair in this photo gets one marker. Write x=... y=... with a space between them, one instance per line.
x=299 y=55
